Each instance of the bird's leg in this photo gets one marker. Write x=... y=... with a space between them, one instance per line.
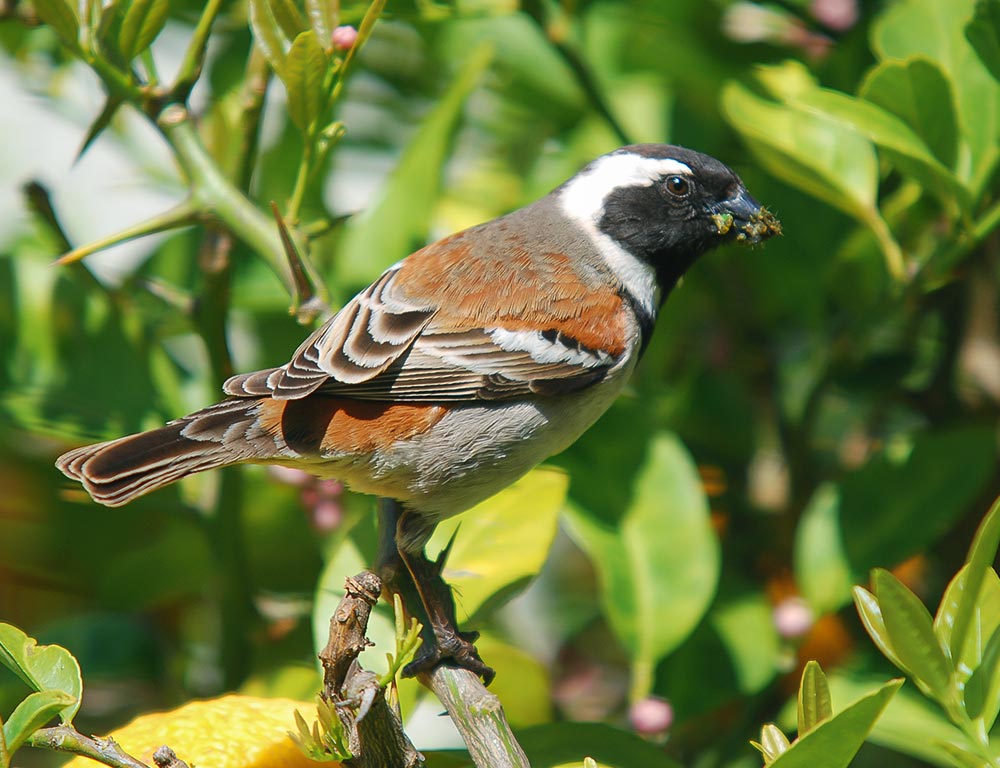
x=389 y=565
x=420 y=585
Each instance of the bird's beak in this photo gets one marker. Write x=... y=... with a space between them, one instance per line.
x=743 y=219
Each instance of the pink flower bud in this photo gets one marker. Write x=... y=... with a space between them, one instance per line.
x=326 y=515
x=793 y=617
x=344 y=37
x=651 y=716
x=838 y=15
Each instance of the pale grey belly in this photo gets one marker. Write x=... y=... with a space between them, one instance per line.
x=475 y=450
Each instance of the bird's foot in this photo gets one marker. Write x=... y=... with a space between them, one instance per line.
x=450 y=647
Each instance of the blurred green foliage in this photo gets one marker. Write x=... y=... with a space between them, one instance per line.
x=804 y=413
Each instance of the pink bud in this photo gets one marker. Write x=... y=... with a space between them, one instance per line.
x=838 y=15
x=793 y=617
x=329 y=489
x=326 y=515
x=343 y=37
x=651 y=716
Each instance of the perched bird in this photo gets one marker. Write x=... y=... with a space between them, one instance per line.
x=465 y=364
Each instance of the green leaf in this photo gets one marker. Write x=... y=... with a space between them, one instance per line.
x=911 y=724
x=289 y=17
x=413 y=188
x=984 y=622
x=61 y=15
x=936 y=30
x=646 y=575
x=815 y=704
x=918 y=93
x=109 y=31
x=981 y=554
x=42 y=667
x=898 y=141
x=834 y=742
x=773 y=743
x=871 y=617
x=144 y=20
x=501 y=543
x=983 y=33
x=981 y=687
x=268 y=35
x=323 y=16
x=555 y=744
x=811 y=151
x=33 y=713
x=911 y=634
x=305 y=68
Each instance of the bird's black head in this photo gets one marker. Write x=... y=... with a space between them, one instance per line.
x=665 y=206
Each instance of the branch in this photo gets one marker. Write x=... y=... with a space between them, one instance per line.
x=479 y=717
x=63 y=738
x=374 y=731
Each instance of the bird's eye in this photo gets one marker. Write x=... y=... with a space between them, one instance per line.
x=677 y=185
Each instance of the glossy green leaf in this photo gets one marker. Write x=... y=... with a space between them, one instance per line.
x=143 y=21
x=814 y=704
x=772 y=744
x=554 y=744
x=981 y=555
x=911 y=724
x=936 y=30
x=984 y=621
x=911 y=633
x=983 y=33
x=323 y=16
x=42 y=667
x=871 y=617
x=61 y=15
x=109 y=32
x=267 y=32
x=981 y=689
x=409 y=197
x=919 y=94
x=646 y=575
x=33 y=713
x=303 y=74
x=501 y=543
x=812 y=152
x=289 y=18
x=834 y=742
x=907 y=150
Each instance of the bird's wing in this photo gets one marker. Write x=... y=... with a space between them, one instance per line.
x=444 y=325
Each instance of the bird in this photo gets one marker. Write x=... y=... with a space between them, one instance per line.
x=464 y=365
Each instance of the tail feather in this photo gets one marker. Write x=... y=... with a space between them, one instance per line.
x=116 y=472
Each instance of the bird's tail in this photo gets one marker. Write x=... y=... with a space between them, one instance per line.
x=116 y=472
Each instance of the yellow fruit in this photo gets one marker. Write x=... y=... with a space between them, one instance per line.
x=228 y=732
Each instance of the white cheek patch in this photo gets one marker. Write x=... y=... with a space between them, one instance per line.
x=542 y=350
x=582 y=201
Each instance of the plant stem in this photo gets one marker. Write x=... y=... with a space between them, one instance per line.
x=4 y=754
x=194 y=56
x=479 y=717
x=213 y=192
x=180 y=216
x=63 y=738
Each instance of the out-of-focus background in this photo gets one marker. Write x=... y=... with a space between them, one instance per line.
x=806 y=411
